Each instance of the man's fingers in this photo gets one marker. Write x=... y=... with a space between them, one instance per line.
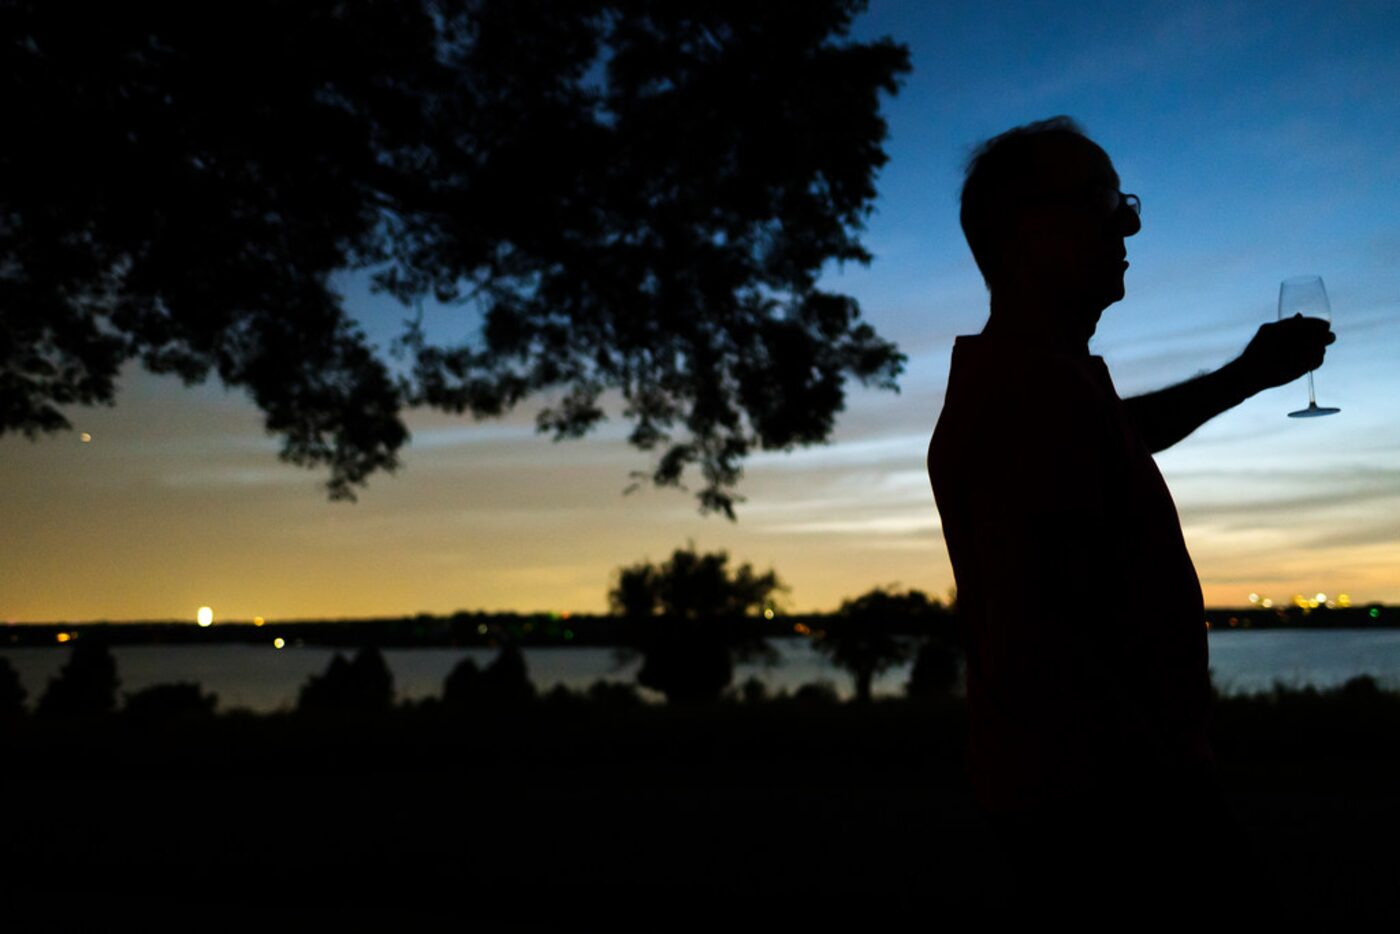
x=1311 y=329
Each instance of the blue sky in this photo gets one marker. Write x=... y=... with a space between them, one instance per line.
x=1264 y=141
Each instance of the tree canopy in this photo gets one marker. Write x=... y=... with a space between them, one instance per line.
x=687 y=620
x=693 y=586
x=634 y=198
x=869 y=634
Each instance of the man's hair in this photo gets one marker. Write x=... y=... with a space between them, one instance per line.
x=1000 y=176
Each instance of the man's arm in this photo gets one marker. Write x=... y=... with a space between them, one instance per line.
x=1279 y=353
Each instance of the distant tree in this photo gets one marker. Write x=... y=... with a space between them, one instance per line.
x=12 y=693
x=816 y=694
x=753 y=690
x=871 y=633
x=361 y=685
x=613 y=694
x=461 y=689
x=687 y=614
x=507 y=679
x=86 y=686
x=937 y=667
x=184 y=700
x=504 y=682
x=693 y=586
x=635 y=196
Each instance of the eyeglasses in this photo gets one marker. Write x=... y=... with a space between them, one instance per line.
x=1113 y=199
x=1133 y=202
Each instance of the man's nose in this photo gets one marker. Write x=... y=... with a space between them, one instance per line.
x=1128 y=221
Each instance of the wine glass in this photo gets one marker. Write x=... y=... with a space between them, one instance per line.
x=1306 y=296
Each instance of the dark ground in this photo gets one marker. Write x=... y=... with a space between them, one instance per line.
x=593 y=817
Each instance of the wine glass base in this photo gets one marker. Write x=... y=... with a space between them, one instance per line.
x=1314 y=410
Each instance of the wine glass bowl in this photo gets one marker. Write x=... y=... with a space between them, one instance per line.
x=1306 y=296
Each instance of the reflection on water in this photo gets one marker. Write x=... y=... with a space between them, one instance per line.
x=262 y=678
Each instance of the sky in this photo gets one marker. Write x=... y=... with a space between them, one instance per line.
x=1264 y=142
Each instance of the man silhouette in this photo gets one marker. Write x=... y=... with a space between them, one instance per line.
x=1079 y=607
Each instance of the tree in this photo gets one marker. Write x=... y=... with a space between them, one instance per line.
x=363 y=684
x=634 y=197
x=937 y=664
x=12 y=693
x=86 y=686
x=182 y=700
x=870 y=634
x=689 y=620
x=505 y=682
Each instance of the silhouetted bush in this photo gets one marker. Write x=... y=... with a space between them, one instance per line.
x=1361 y=689
x=462 y=687
x=561 y=696
x=362 y=685
x=753 y=690
x=817 y=694
x=506 y=680
x=183 y=700
x=86 y=686
x=936 y=669
x=688 y=661
x=12 y=693
x=613 y=694
x=503 y=682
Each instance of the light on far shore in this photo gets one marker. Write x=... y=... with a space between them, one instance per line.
x=205 y=616
x=279 y=642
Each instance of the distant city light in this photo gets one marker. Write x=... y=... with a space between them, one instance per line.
x=85 y=437
x=1322 y=598
x=257 y=620
x=1343 y=599
x=63 y=637
x=205 y=616
x=481 y=629
x=1375 y=613
x=279 y=642
x=1266 y=603
x=768 y=613
x=1254 y=598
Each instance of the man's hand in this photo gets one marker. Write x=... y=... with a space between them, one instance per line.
x=1284 y=350
x=1279 y=353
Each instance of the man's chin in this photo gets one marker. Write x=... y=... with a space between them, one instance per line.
x=1111 y=294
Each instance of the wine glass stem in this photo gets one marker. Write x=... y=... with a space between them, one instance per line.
x=1312 y=397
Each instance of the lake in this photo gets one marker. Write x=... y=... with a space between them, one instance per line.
x=262 y=678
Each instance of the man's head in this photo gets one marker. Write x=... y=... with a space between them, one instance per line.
x=1043 y=214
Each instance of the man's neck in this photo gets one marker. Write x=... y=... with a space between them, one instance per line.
x=1040 y=322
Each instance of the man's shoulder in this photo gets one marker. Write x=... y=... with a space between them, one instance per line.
x=1007 y=409
x=1026 y=395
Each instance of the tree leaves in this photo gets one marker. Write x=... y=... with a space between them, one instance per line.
x=638 y=197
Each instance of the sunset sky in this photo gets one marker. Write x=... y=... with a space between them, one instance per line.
x=1264 y=142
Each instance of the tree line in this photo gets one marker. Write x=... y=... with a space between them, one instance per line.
x=688 y=647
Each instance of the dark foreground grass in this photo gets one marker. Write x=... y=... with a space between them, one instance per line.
x=596 y=815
